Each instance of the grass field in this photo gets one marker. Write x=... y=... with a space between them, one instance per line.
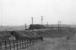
x=55 y=44
x=52 y=32
x=54 y=39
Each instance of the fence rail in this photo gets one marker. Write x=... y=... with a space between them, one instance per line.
x=15 y=44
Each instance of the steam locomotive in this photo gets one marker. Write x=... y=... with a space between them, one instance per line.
x=36 y=26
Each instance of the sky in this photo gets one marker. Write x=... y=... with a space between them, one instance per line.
x=19 y=12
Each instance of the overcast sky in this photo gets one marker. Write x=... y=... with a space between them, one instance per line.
x=19 y=12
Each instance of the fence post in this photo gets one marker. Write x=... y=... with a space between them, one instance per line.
x=10 y=44
x=23 y=44
x=1 y=44
x=26 y=43
x=14 y=44
x=17 y=44
x=30 y=42
x=5 y=44
x=20 y=44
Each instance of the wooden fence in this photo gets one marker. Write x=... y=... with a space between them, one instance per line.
x=15 y=44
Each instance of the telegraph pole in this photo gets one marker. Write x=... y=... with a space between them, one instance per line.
x=32 y=20
x=41 y=19
x=2 y=15
x=59 y=24
x=47 y=24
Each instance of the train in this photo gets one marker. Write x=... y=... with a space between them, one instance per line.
x=35 y=26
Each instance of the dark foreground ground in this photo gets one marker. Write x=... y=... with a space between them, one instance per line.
x=54 y=39
x=54 y=44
